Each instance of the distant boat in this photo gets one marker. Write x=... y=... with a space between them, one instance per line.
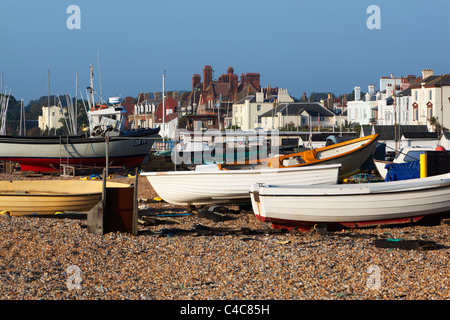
x=200 y=152
x=352 y=205
x=210 y=186
x=44 y=197
x=351 y=154
x=46 y=154
x=107 y=137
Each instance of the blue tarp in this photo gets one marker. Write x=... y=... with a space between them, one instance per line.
x=403 y=171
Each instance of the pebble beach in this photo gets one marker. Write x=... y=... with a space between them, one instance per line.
x=179 y=258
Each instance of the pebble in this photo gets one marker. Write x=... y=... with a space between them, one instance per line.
x=56 y=258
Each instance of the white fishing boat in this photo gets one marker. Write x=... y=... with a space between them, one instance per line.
x=209 y=186
x=406 y=154
x=107 y=139
x=351 y=205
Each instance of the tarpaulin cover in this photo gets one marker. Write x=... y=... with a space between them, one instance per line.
x=403 y=171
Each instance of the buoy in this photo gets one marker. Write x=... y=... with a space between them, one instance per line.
x=439 y=148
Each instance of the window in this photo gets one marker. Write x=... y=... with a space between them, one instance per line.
x=258 y=107
x=415 y=96
x=431 y=95
x=415 y=113
x=429 y=111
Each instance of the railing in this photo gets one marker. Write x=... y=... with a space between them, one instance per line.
x=164 y=145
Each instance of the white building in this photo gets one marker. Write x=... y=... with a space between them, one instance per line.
x=247 y=112
x=430 y=97
x=168 y=126
x=362 y=110
x=50 y=118
x=298 y=114
x=386 y=106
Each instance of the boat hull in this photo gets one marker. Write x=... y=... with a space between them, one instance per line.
x=44 y=197
x=352 y=205
x=227 y=186
x=43 y=154
x=351 y=155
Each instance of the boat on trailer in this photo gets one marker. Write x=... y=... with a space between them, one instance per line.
x=352 y=205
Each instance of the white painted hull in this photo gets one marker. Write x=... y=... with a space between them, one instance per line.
x=380 y=164
x=345 y=203
x=224 y=186
x=47 y=153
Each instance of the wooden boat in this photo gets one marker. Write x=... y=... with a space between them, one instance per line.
x=352 y=205
x=210 y=186
x=351 y=154
x=43 y=197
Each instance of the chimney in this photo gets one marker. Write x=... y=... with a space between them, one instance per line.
x=195 y=80
x=260 y=96
x=371 y=88
x=389 y=90
x=426 y=73
x=207 y=76
x=357 y=93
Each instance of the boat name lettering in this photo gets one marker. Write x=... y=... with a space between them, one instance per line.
x=139 y=142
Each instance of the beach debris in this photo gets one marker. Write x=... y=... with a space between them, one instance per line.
x=213 y=213
x=285 y=242
x=156 y=220
x=201 y=230
x=95 y=177
x=153 y=200
x=395 y=243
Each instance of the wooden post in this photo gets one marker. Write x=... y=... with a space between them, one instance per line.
x=135 y=206
x=95 y=216
x=107 y=155
x=116 y=211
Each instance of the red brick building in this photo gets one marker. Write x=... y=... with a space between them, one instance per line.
x=226 y=89
x=170 y=106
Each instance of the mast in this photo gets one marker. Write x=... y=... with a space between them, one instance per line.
x=48 y=103
x=164 y=105
x=24 y=120
x=99 y=77
x=76 y=101
x=92 y=85
x=21 y=115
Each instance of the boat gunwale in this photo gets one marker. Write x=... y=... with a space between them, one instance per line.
x=74 y=139
x=268 y=170
x=371 y=140
x=428 y=186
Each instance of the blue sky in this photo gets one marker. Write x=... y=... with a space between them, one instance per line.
x=304 y=46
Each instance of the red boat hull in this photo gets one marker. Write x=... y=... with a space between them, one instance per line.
x=53 y=164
